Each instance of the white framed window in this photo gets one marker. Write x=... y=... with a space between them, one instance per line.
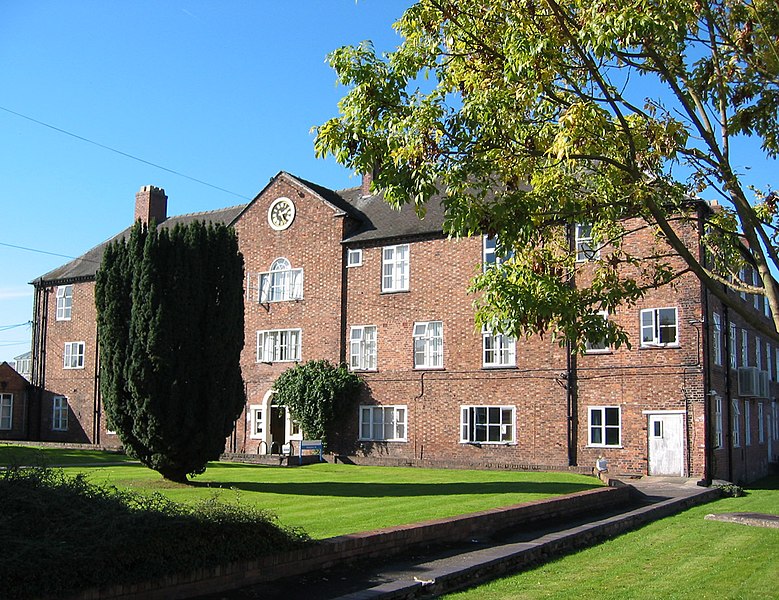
x=59 y=413
x=278 y=345
x=758 y=298
x=282 y=283
x=760 y=423
x=747 y=423
x=744 y=348
x=362 y=348
x=598 y=346
x=487 y=424
x=74 y=355
x=429 y=345
x=395 y=268
x=256 y=421
x=718 y=441
x=64 y=302
x=585 y=249
x=775 y=420
x=659 y=327
x=758 y=352
x=354 y=257
x=384 y=423
x=742 y=275
x=716 y=338
x=736 y=424
x=769 y=365
x=492 y=253
x=605 y=426
x=733 y=347
x=6 y=411
x=498 y=350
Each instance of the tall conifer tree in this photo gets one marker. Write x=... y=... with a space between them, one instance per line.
x=170 y=326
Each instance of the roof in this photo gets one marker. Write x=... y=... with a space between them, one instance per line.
x=380 y=221
x=85 y=266
x=374 y=220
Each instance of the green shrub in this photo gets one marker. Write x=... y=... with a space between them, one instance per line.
x=60 y=533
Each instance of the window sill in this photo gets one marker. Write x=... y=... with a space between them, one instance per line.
x=480 y=444
x=429 y=368
x=497 y=367
x=658 y=346
x=602 y=447
x=383 y=441
x=389 y=292
x=596 y=352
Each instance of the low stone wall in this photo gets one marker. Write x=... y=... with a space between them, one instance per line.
x=358 y=547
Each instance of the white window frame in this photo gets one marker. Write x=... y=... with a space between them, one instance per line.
x=281 y=283
x=388 y=423
x=583 y=239
x=488 y=421
x=428 y=339
x=747 y=423
x=590 y=347
x=59 y=413
x=744 y=348
x=602 y=428
x=363 y=348
x=73 y=355
x=760 y=423
x=758 y=353
x=733 y=347
x=6 y=411
x=489 y=250
x=498 y=350
x=64 y=302
x=718 y=440
x=279 y=345
x=716 y=338
x=655 y=328
x=354 y=257
x=256 y=421
x=395 y=268
x=736 y=424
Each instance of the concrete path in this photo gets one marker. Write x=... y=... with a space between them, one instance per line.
x=445 y=570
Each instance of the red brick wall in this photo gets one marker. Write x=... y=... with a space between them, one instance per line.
x=14 y=384
x=312 y=242
x=77 y=385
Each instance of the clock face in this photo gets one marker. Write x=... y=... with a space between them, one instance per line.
x=281 y=214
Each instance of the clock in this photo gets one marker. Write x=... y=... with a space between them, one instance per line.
x=281 y=213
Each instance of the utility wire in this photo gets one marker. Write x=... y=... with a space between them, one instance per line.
x=125 y=154
x=36 y=250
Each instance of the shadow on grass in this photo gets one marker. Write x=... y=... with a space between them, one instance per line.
x=399 y=490
x=16 y=456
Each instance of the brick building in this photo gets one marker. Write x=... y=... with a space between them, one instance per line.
x=342 y=276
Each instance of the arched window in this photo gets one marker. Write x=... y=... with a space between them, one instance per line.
x=281 y=283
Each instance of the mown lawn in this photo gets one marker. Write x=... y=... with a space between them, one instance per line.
x=327 y=500
x=683 y=556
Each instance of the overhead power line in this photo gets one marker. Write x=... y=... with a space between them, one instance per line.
x=125 y=154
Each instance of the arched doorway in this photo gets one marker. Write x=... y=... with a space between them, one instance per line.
x=273 y=426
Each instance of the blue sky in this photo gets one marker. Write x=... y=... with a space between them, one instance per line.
x=225 y=92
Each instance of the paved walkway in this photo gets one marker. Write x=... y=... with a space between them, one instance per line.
x=444 y=570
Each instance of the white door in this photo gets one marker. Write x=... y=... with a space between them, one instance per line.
x=666 y=444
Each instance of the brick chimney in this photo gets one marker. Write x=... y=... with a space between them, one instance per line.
x=151 y=203
x=367 y=180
